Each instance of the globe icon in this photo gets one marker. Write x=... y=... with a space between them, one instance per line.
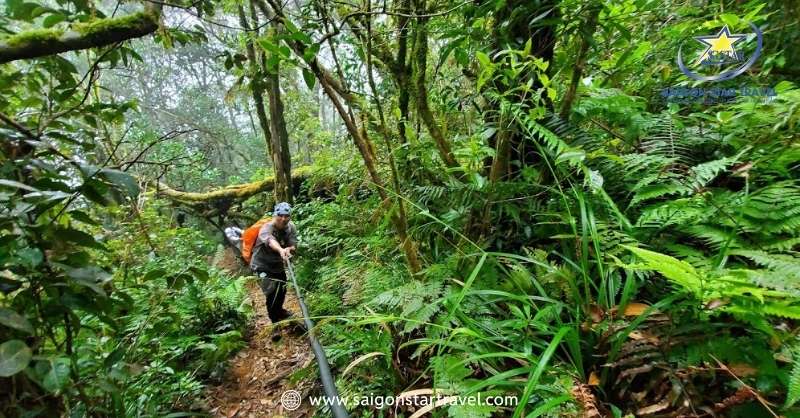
x=290 y=400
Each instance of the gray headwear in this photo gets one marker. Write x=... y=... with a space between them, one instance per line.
x=282 y=208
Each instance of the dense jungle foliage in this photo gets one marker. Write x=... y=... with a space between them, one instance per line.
x=514 y=197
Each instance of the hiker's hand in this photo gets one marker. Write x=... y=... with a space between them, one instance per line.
x=286 y=254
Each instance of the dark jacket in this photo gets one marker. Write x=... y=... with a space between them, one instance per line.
x=265 y=258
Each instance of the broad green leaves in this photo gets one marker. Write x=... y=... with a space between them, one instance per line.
x=53 y=373
x=14 y=320
x=103 y=185
x=14 y=357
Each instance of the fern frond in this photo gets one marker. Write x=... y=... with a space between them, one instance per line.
x=785 y=264
x=691 y=255
x=783 y=310
x=793 y=387
x=713 y=236
x=702 y=174
x=680 y=272
x=770 y=279
x=421 y=315
x=534 y=129
x=775 y=208
x=653 y=191
x=636 y=164
x=674 y=212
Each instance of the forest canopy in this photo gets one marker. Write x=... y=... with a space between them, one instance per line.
x=590 y=206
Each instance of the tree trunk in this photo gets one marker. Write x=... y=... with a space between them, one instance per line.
x=280 y=139
x=421 y=88
x=402 y=78
x=512 y=30
x=256 y=86
x=586 y=34
x=333 y=88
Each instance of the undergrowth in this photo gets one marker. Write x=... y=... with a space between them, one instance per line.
x=596 y=296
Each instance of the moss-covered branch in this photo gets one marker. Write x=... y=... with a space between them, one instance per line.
x=230 y=193
x=101 y=32
x=421 y=92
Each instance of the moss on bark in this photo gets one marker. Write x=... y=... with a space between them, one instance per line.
x=96 y=33
x=230 y=193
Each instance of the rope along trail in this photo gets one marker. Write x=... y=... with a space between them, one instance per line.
x=259 y=374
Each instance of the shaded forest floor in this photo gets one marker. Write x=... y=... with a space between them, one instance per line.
x=258 y=375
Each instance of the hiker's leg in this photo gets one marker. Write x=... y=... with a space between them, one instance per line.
x=276 y=298
x=269 y=287
x=273 y=310
x=274 y=288
x=280 y=296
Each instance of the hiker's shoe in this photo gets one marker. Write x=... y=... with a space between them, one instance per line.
x=286 y=315
x=276 y=335
x=293 y=324
x=298 y=329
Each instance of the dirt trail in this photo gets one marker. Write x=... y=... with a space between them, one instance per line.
x=259 y=374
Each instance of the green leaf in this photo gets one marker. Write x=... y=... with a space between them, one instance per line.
x=290 y=26
x=122 y=180
x=22 y=10
x=78 y=237
x=540 y=366
x=30 y=257
x=14 y=357
x=155 y=273
x=82 y=217
x=178 y=281
x=114 y=357
x=53 y=19
x=309 y=77
x=14 y=320
x=53 y=373
x=92 y=277
x=268 y=45
x=549 y=406
x=572 y=156
x=783 y=86
x=793 y=392
x=272 y=62
x=17 y=185
x=676 y=270
x=311 y=52
x=301 y=37
x=729 y=19
x=199 y=273
x=484 y=60
x=9 y=282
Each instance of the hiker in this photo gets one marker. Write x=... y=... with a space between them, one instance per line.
x=276 y=241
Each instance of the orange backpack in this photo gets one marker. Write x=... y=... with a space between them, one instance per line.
x=249 y=237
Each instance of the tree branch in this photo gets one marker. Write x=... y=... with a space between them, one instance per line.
x=42 y=42
x=234 y=192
